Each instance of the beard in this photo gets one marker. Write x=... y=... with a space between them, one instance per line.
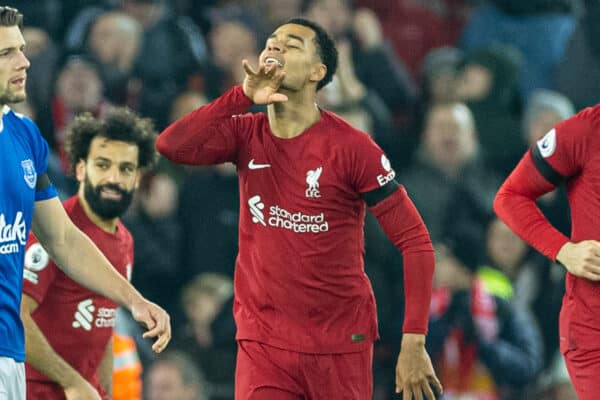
x=106 y=208
x=9 y=97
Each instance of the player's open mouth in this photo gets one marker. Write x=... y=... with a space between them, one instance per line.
x=111 y=194
x=269 y=61
x=18 y=81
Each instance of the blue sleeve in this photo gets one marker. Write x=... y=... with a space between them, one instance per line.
x=47 y=193
x=40 y=150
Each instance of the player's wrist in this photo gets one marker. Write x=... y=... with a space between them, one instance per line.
x=70 y=379
x=133 y=298
x=413 y=340
x=564 y=251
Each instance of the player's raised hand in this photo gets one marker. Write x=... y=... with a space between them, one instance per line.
x=156 y=320
x=581 y=259
x=415 y=377
x=261 y=86
x=81 y=390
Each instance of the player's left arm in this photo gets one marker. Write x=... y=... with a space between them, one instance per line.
x=68 y=246
x=105 y=370
x=370 y=174
x=403 y=225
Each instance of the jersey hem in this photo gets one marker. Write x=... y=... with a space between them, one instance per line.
x=323 y=349
x=17 y=356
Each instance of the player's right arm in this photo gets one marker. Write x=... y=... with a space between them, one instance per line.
x=41 y=356
x=559 y=155
x=209 y=135
x=67 y=245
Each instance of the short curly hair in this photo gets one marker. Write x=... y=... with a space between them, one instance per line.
x=325 y=46
x=120 y=123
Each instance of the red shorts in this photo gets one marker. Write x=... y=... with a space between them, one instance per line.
x=266 y=373
x=579 y=338
x=584 y=369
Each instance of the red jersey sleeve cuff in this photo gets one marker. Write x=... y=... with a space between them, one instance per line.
x=240 y=97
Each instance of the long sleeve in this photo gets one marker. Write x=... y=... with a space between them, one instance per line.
x=515 y=205
x=404 y=227
x=208 y=135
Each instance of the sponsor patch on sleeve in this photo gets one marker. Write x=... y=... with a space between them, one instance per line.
x=547 y=144
x=36 y=259
x=389 y=175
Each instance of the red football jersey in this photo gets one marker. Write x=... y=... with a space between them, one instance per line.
x=570 y=152
x=77 y=322
x=299 y=280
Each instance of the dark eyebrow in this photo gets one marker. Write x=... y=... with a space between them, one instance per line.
x=289 y=35
x=128 y=164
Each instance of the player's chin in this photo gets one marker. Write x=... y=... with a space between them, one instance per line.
x=17 y=97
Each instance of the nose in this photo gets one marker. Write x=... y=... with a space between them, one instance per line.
x=23 y=62
x=113 y=175
x=274 y=46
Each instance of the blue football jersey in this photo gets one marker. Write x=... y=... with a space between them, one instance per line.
x=23 y=157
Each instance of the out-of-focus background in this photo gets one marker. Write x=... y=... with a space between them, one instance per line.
x=453 y=90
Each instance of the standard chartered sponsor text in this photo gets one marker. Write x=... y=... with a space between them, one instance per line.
x=297 y=222
x=105 y=317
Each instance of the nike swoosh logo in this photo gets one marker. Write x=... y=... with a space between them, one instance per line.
x=251 y=165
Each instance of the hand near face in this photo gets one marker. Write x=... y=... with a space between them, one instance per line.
x=261 y=86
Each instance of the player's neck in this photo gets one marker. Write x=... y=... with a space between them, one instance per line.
x=107 y=225
x=289 y=119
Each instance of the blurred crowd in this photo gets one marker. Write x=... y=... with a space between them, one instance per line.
x=454 y=91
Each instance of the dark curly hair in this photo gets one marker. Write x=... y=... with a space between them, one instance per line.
x=325 y=46
x=121 y=124
x=10 y=17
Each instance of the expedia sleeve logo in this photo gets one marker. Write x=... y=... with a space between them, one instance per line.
x=390 y=173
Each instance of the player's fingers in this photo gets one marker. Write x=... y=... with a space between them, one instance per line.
x=248 y=68
x=279 y=78
x=407 y=393
x=158 y=330
x=145 y=319
x=161 y=343
x=154 y=328
x=262 y=70
x=277 y=98
x=437 y=386
x=399 y=382
x=428 y=392
x=417 y=392
x=592 y=258
x=270 y=70
x=591 y=275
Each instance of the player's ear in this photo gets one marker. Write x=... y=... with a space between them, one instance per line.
x=318 y=72
x=80 y=170
x=138 y=176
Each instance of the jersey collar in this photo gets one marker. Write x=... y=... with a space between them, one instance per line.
x=5 y=110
